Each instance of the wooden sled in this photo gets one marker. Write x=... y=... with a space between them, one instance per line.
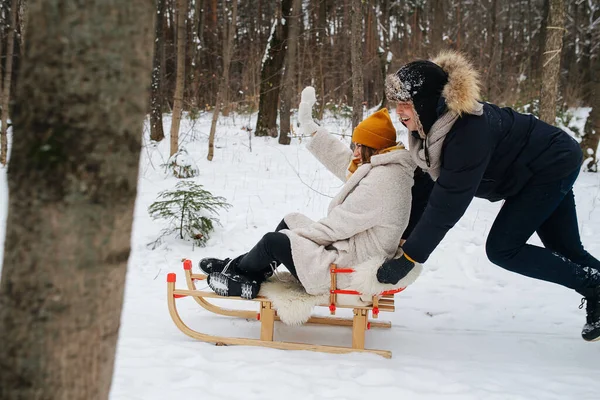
x=267 y=315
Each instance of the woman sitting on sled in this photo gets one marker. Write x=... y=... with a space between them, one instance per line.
x=364 y=222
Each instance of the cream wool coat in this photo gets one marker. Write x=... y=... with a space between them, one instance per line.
x=365 y=221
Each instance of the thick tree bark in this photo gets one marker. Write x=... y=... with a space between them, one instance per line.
x=228 y=44
x=293 y=19
x=156 y=124
x=270 y=76
x=356 y=50
x=7 y=81
x=551 y=60
x=72 y=179
x=181 y=12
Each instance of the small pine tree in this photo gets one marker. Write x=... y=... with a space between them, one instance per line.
x=186 y=208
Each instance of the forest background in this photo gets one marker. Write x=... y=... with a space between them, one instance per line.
x=538 y=56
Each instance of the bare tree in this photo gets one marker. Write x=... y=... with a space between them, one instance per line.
x=156 y=101
x=357 y=65
x=385 y=53
x=551 y=60
x=439 y=24
x=270 y=75
x=320 y=42
x=196 y=44
x=72 y=179
x=7 y=80
x=230 y=24
x=505 y=40
x=591 y=136
x=290 y=71
x=181 y=13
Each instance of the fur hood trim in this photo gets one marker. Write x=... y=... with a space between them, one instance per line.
x=462 y=91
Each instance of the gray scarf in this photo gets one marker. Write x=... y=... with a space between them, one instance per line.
x=426 y=150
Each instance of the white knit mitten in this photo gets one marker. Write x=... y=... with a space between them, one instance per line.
x=307 y=125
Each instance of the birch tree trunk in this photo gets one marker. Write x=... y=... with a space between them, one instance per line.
x=224 y=81
x=180 y=79
x=156 y=103
x=551 y=61
x=293 y=19
x=72 y=179
x=356 y=50
x=10 y=41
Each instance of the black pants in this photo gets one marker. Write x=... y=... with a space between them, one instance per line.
x=549 y=210
x=273 y=247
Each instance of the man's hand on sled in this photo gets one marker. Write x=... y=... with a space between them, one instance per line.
x=393 y=270
x=308 y=99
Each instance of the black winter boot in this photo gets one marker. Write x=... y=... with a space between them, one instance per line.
x=210 y=265
x=225 y=284
x=591 y=299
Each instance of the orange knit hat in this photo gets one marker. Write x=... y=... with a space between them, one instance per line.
x=376 y=131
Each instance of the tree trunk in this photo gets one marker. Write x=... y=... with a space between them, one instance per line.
x=591 y=137
x=321 y=40
x=369 y=54
x=156 y=125
x=7 y=79
x=439 y=24
x=270 y=76
x=357 y=65
x=22 y=23
x=69 y=227
x=551 y=61
x=197 y=44
x=181 y=12
x=593 y=12
x=224 y=81
x=385 y=54
x=228 y=47
x=493 y=33
x=293 y=19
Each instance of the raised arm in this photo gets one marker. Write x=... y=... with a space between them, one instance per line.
x=331 y=152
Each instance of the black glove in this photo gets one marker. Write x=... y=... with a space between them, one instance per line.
x=393 y=270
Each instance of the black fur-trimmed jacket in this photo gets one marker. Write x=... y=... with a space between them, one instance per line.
x=492 y=156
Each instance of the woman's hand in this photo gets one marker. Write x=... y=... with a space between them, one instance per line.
x=308 y=99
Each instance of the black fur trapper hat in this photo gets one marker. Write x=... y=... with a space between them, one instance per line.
x=422 y=83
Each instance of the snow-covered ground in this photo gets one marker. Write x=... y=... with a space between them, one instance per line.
x=465 y=330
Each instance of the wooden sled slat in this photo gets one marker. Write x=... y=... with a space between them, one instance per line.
x=200 y=293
